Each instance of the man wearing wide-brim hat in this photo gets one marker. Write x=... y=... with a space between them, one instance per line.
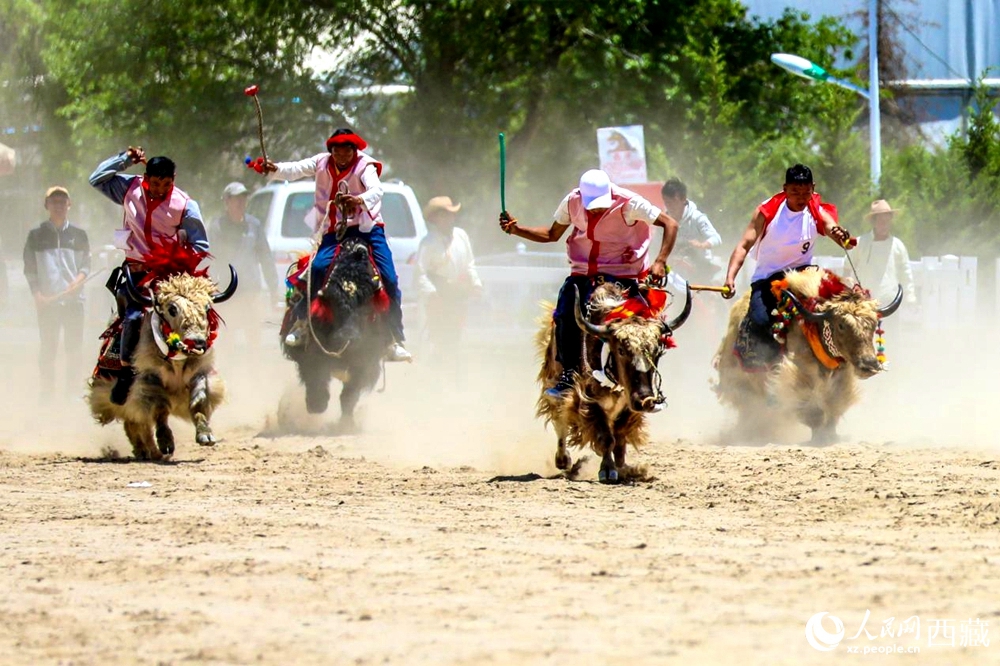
x=446 y=274
x=881 y=259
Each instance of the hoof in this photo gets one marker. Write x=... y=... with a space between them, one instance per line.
x=608 y=476
x=563 y=461
x=205 y=439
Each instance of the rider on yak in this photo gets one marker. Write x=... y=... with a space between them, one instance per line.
x=156 y=215
x=348 y=204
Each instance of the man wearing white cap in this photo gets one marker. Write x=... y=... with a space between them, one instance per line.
x=241 y=240
x=881 y=258
x=612 y=231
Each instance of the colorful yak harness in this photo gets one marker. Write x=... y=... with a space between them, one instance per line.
x=164 y=261
x=819 y=335
x=648 y=307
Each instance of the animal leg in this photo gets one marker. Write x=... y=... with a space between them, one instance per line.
x=201 y=409
x=563 y=459
x=359 y=380
x=141 y=437
x=316 y=377
x=608 y=472
x=164 y=435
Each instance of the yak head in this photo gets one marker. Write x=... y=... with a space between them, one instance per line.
x=632 y=346
x=845 y=322
x=182 y=305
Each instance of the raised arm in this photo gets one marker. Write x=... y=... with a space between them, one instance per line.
x=109 y=180
x=291 y=170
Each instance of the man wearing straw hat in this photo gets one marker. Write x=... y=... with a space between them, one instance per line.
x=881 y=258
x=446 y=274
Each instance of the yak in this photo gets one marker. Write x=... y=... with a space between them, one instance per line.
x=828 y=346
x=173 y=362
x=619 y=385
x=347 y=334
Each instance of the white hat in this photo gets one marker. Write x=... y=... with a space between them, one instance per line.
x=234 y=189
x=595 y=188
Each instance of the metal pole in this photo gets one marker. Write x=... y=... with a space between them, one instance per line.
x=874 y=115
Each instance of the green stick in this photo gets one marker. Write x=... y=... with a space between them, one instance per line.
x=503 y=175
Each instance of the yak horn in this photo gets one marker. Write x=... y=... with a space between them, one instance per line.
x=809 y=315
x=894 y=305
x=599 y=330
x=230 y=290
x=682 y=317
x=134 y=292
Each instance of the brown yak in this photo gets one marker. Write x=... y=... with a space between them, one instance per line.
x=173 y=362
x=606 y=415
x=829 y=346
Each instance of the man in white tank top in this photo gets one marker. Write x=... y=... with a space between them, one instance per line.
x=784 y=230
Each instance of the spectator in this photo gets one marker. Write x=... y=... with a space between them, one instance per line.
x=56 y=264
x=695 y=236
x=446 y=274
x=881 y=259
x=241 y=240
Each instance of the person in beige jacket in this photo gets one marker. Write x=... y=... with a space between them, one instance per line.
x=446 y=274
x=881 y=259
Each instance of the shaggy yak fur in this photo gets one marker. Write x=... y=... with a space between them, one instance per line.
x=607 y=420
x=799 y=386
x=349 y=326
x=185 y=386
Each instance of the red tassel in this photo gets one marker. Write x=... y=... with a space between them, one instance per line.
x=381 y=301
x=321 y=312
x=171 y=257
x=668 y=342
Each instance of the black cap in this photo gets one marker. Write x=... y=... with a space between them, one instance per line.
x=799 y=174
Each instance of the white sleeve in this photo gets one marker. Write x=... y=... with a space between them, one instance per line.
x=561 y=216
x=904 y=272
x=373 y=187
x=470 y=259
x=294 y=170
x=424 y=285
x=638 y=209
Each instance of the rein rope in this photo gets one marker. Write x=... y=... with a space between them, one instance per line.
x=317 y=235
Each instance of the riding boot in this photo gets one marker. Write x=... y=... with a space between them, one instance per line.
x=123 y=384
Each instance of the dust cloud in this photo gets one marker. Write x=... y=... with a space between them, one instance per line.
x=474 y=406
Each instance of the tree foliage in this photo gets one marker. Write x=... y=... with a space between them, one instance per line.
x=695 y=73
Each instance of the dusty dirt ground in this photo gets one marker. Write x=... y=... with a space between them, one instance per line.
x=401 y=545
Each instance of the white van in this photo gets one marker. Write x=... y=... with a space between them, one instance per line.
x=282 y=207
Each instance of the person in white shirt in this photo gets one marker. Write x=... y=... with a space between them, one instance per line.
x=881 y=259
x=445 y=273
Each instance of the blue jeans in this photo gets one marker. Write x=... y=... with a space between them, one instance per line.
x=569 y=337
x=379 y=246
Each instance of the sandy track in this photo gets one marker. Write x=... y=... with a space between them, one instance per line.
x=301 y=550
x=395 y=546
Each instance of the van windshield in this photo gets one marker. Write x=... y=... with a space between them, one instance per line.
x=397 y=217
x=293 y=221
x=260 y=205
x=395 y=212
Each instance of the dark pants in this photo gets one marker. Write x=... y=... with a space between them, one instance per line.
x=383 y=262
x=569 y=337
x=67 y=318
x=131 y=315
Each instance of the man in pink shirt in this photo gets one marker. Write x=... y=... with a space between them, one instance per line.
x=610 y=238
